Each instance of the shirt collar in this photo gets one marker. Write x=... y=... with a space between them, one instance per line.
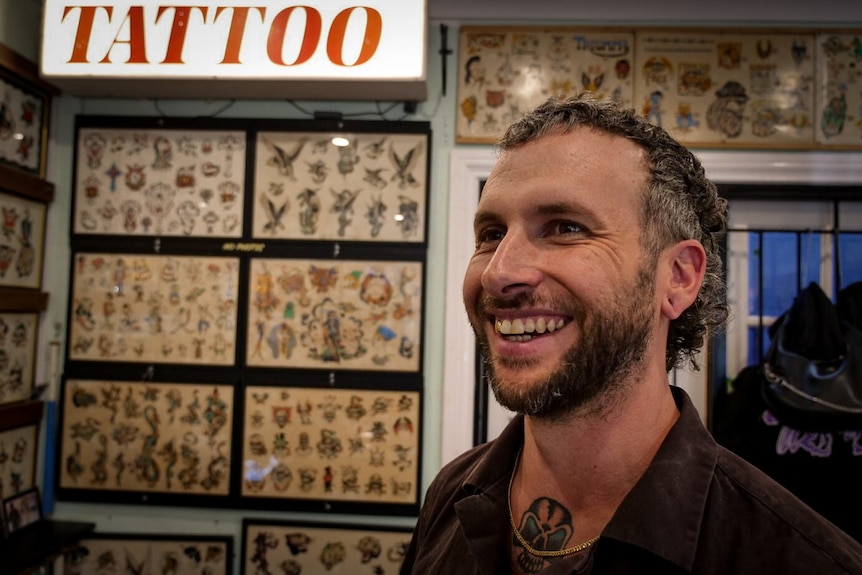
x=664 y=510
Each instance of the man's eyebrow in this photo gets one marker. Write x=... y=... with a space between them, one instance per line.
x=484 y=217
x=555 y=208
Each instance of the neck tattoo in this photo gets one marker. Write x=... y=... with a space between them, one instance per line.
x=553 y=536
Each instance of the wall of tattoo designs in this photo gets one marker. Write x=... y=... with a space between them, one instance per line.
x=24 y=199
x=710 y=88
x=245 y=314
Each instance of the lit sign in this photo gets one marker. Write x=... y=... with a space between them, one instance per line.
x=328 y=43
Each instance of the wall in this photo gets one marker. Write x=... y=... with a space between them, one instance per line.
x=19 y=29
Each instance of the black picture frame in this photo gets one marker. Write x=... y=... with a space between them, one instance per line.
x=317 y=547
x=21 y=511
x=179 y=554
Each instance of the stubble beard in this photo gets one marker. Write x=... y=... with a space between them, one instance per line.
x=595 y=370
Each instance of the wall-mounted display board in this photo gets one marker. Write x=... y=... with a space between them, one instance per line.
x=344 y=314
x=839 y=100
x=25 y=112
x=748 y=89
x=328 y=445
x=369 y=187
x=144 y=553
x=158 y=182
x=17 y=355
x=19 y=446
x=130 y=440
x=739 y=88
x=270 y=547
x=505 y=71
x=22 y=238
x=201 y=361
x=153 y=308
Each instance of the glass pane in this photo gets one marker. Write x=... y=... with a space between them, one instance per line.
x=781 y=254
x=851 y=258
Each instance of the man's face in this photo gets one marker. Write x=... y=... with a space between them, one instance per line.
x=559 y=290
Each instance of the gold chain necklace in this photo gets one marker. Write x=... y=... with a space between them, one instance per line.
x=523 y=542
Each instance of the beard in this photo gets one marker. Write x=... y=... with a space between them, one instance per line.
x=611 y=346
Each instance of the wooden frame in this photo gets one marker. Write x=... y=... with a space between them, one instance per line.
x=147 y=308
x=18 y=337
x=332 y=448
x=22 y=241
x=136 y=441
x=190 y=554
x=21 y=510
x=335 y=314
x=373 y=188
x=304 y=547
x=19 y=446
x=25 y=111
x=743 y=88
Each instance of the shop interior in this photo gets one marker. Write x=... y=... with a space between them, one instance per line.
x=198 y=290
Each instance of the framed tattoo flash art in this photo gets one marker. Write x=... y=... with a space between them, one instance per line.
x=22 y=236
x=25 y=103
x=331 y=445
x=144 y=438
x=838 y=121
x=283 y=548
x=159 y=182
x=371 y=188
x=17 y=355
x=752 y=89
x=335 y=314
x=151 y=553
x=19 y=445
x=505 y=71
x=153 y=308
x=21 y=510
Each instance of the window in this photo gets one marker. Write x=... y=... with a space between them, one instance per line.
x=775 y=248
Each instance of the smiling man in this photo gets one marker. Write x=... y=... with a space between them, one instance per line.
x=596 y=271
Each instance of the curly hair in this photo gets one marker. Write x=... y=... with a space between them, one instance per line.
x=679 y=203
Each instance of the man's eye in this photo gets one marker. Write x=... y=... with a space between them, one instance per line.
x=489 y=235
x=568 y=228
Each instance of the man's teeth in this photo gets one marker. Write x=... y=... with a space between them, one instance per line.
x=518 y=326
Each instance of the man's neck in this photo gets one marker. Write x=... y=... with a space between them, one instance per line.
x=589 y=463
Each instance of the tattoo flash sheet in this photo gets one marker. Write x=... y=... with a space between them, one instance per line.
x=372 y=189
x=159 y=182
x=271 y=548
x=146 y=437
x=331 y=444
x=22 y=122
x=153 y=308
x=728 y=88
x=22 y=233
x=144 y=554
x=839 y=114
x=17 y=354
x=503 y=72
x=18 y=448
x=335 y=314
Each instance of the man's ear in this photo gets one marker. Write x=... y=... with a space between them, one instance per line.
x=686 y=264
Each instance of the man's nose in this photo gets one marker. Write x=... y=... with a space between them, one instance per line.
x=514 y=268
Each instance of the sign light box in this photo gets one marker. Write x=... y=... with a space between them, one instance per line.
x=323 y=49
